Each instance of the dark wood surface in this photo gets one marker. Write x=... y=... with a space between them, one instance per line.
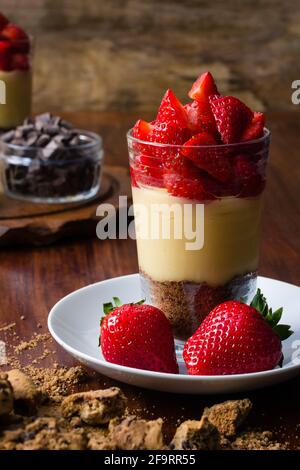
x=33 y=279
x=26 y=223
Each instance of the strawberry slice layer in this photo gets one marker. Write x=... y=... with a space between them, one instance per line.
x=180 y=186
x=203 y=87
x=231 y=116
x=187 y=148
x=209 y=159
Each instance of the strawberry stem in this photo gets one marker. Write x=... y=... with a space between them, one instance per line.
x=259 y=302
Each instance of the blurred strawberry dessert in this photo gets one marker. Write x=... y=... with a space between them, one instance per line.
x=15 y=73
x=211 y=152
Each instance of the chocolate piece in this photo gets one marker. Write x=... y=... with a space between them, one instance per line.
x=133 y=433
x=228 y=416
x=6 y=396
x=95 y=407
x=196 y=435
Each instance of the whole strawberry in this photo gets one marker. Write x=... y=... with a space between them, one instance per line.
x=138 y=335
x=236 y=338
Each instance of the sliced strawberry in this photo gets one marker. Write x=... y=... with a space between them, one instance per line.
x=212 y=160
x=246 y=179
x=142 y=130
x=3 y=21
x=255 y=128
x=200 y=117
x=5 y=55
x=231 y=116
x=147 y=171
x=19 y=62
x=180 y=186
x=171 y=110
x=17 y=36
x=203 y=87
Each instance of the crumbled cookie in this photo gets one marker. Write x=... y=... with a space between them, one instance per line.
x=43 y=434
x=26 y=395
x=6 y=396
x=95 y=407
x=196 y=435
x=98 y=440
x=256 y=440
x=228 y=416
x=133 y=433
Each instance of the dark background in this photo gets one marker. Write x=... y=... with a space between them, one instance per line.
x=123 y=54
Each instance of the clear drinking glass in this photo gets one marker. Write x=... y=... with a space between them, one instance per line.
x=187 y=283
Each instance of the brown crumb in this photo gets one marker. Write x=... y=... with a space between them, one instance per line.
x=7 y=327
x=133 y=433
x=6 y=396
x=196 y=435
x=228 y=416
x=32 y=343
x=256 y=440
x=26 y=394
x=95 y=407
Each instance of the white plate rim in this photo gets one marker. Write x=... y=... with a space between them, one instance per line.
x=153 y=374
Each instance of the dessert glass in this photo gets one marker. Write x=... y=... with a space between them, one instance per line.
x=74 y=175
x=187 y=283
x=17 y=87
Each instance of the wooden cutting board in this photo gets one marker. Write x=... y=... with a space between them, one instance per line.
x=26 y=223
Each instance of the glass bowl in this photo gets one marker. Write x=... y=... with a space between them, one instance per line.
x=72 y=174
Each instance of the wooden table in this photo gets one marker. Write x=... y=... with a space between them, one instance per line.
x=33 y=279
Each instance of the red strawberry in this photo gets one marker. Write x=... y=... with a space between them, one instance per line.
x=200 y=117
x=203 y=87
x=246 y=179
x=17 y=36
x=209 y=159
x=142 y=130
x=148 y=171
x=171 y=110
x=19 y=62
x=139 y=336
x=255 y=128
x=186 y=187
x=231 y=116
x=5 y=54
x=3 y=20
x=236 y=338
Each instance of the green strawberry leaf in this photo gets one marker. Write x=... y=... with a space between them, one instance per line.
x=259 y=302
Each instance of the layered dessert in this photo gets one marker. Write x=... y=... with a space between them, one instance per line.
x=15 y=74
x=204 y=162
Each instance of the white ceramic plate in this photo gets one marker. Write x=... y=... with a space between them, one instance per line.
x=74 y=324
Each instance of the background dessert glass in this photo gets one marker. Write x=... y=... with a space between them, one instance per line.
x=17 y=79
x=186 y=284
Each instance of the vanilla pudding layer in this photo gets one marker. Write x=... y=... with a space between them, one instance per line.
x=18 y=84
x=231 y=239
